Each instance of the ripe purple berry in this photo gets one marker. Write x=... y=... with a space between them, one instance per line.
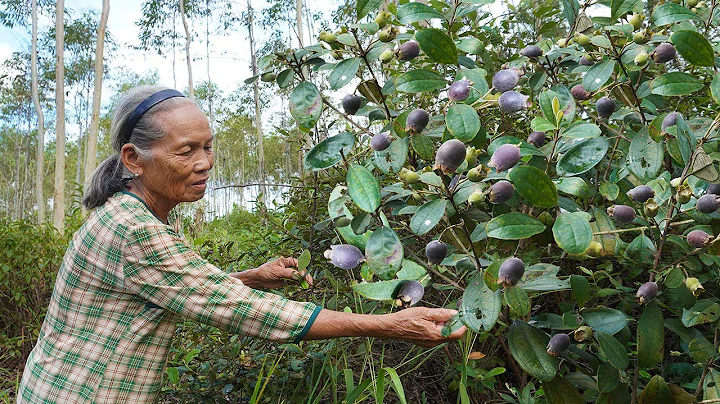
x=511 y=271
x=580 y=93
x=536 y=139
x=646 y=292
x=505 y=80
x=621 y=213
x=512 y=101
x=669 y=120
x=708 y=203
x=416 y=121
x=605 y=107
x=459 y=90
x=698 y=238
x=501 y=192
x=351 y=103
x=713 y=189
x=450 y=156
x=436 y=251
x=531 y=51
x=505 y=157
x=663 y=53
x=586 y=61
x=411 y=292
x=345 y=256
x=380 y=141
x=558 y=344
x=408 y=51
x=641 y=193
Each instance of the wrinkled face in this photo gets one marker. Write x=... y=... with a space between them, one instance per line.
x=182 y=159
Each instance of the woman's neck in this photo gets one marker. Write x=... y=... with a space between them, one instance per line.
x=158 y=205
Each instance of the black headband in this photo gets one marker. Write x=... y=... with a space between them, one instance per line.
x=144 y=107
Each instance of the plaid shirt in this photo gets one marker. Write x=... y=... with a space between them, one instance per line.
x=112 y=314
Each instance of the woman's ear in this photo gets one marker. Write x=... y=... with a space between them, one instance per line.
x=130 y=159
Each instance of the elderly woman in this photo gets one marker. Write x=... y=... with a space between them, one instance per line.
x=127 y=274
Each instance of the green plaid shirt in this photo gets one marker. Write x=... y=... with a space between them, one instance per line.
x=112 y=314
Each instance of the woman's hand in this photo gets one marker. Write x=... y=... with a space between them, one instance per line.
x=273 y=274
x=422 y=326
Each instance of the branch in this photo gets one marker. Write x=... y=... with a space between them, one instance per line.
x=258 y=184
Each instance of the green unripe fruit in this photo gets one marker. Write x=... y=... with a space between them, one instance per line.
x=387 y=34
x=471 y=156
x=651 y=208
x=387 y=55
x=582 y=39
x=640 y=38
x=412 y=177
x=641 y=58
x=583 y=333
x=328 y=37
x=692 y=3
x=341 y=221
x=474 y=174
x=476 y=197
x=562 y=42
x=636 y=20
x=595 y=249
x=683 y=194
x=382 y=18
x=268 y=77
x=417 y=197
x=336 y=55
x=694 y=285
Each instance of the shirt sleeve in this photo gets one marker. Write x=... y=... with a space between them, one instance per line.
x=162 y=269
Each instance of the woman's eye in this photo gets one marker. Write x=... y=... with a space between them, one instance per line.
x=186 y=152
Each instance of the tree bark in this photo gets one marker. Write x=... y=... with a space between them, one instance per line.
x=59 y=190
x=298 y=12
x=191 y=91
x=91 y=151
x=40 y=156
x=256 y=94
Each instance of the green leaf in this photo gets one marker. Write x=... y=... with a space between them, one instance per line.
x=650 y=336
x=285 y=78
x=619 y=8
x=416 y=11
x=343 y=72
x=363 y=188
x=704 y=311
x=527 y=345
x=480 y=306
x=711 y=385
x=583 y=156
x=462 y=121
x=411 y=270
x=574 y=186
x=469 y=44
x=561 y=391
x=670 y=13
x=608 y=378
x=304 y=260
x=329 y=152
x=384 y=253
x=580 y=289
x=437 y=45
x=420 y=80
x=693 y=47
x=393 y=158
x=645 y=157
x=570 y=9
x=514 y=226
x=675 y=84
x=540 y=124
x=613 y=350
x=546 y=106
x=173 y=374
x=396 y=383
x=518 y=301
x=715 y=87
x=428 y=216
x=582 y=130
x=365 y=7
x=381 y=290
x=572 y=232
x=543 y=278
x=423 y=146
x=605 y=320
x=534 y=186
x=598 y=74
x=656 y=391
x=305 y=105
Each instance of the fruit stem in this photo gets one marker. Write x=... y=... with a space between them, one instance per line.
x=641 y=228
x=363 y=55
x=618 y=58
x=464 y=227
x=347 y=117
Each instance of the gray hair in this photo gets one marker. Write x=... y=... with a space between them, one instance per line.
x=111 y=175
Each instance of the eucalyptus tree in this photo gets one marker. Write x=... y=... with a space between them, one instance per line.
x=59 y=189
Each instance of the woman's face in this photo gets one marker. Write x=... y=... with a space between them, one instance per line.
x=179 y=169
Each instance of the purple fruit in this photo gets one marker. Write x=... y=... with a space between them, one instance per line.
x=505 y=80
x=605 y=107
x=621 y=213
x=501 y=192
x=459 y=90
x=558 y=344
x=536 y=139
x=531 y=51
x=698 y=238
x=416 y=121
x=713 y=189
x=511 y=271
x=512 y=101
x=436 y=251
x=380 y=141
x=450 y=156
x=670 y=120
x=408 y=51
x=663 y=53
x=411 y=292
x=580 y=93
x=345 y=256
x=646 y=292
x=708 y=203
x=351 y=103
x=641 y=193
x=505 y=157
x=586 y=61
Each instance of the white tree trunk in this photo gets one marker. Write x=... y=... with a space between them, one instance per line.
x=191 y=91
x=258 y=118
x=91 y=152
x=298 y=12
x=40 y=156
x=59 y=190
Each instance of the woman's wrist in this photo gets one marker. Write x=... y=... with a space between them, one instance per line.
x=248 y=277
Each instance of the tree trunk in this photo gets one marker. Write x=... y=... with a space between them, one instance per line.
x=40 y=157
x=256 y=93
x=91 y=151
x=298 y=12
x=191 y=91
x=59 y=191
